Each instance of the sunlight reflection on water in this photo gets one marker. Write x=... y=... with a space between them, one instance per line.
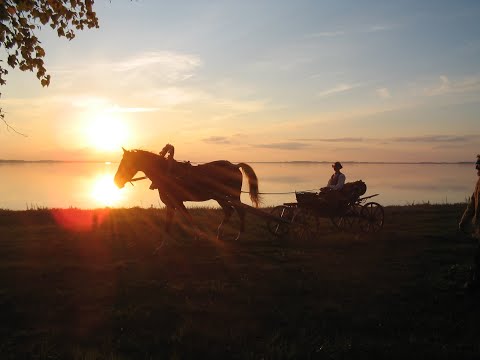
x=104 y=192
x=90 y=185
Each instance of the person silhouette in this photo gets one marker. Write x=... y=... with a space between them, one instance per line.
x=331 y=194
x=167 y=153
x=337 y=180
x=470 y=223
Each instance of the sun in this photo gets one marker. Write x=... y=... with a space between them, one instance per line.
x=104 y=192
x=106 y=131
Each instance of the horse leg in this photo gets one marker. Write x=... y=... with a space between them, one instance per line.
x=168 y=223
x=169 y=218
x=227 y=213
x=183 y=210
x=170 y=210
x=241 y=214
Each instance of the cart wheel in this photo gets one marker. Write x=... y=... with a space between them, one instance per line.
x=345 y=222
x=280 y=228
x=304 y=226
x=371 y=217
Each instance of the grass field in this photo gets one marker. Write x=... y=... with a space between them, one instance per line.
x=78 y=284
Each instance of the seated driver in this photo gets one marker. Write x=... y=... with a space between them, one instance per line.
x=337 y=180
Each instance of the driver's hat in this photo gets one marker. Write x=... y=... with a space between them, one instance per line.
x=337 y=165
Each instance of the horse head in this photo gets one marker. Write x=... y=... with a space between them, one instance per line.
x=126 y=170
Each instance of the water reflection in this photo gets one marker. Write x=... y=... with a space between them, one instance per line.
x=90 y=185
x=104 y=192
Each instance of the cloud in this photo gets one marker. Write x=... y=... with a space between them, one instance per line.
x=119 y=109
x=443 y=88
x=326 y=34
x=86 y=101
x=241 y=106
x=171 y=96
x=217 y=140
x=434 y=138
x=377 y=28
x=427 y=139
x=335 y=33
x=383 y=93
x=179 y=65
x=449 y=146
x=337 y=89
x=101 y=103
x=283 y=146
x=165 y=65
x=333 y=140
x=447 y=86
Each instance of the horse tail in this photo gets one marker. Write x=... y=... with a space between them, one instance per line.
x=252 y=183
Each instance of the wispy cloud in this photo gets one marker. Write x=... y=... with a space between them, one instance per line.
x=241 y=106
x=335 y=33
x=223 y=109
x=378 y=28
x=85 y=101
x=333 y=140
x=170 y=96
x=447 y=86
x=103 y=104
x=119 y=109
x=326 y=34
x=432 y=139
x=217 y=140
x=166 y=65
x=383 y=93
x=337 y=89
x=176 y=63
x=283 y=146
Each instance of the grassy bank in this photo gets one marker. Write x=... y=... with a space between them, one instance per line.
x=87 y=285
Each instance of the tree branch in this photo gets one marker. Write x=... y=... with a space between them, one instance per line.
x=8 y=126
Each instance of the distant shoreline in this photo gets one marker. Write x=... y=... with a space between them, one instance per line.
x=2 y=161
x=5 y=161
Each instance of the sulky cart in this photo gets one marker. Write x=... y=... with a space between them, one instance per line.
x=346 y=210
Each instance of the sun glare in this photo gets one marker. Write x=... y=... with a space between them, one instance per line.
x=104 y=192
x=107 y=132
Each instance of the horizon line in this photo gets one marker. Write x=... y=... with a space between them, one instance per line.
x=253 y=162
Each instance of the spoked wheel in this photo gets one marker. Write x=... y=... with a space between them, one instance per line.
x=371 y=217
x=279 y=224
x=347 y=221
x=304 y=226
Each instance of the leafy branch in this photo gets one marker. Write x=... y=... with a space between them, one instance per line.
x=19 y=19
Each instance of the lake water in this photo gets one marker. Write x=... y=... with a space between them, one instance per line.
x=90 y=185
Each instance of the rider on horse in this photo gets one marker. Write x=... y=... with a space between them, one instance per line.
x=170 y=150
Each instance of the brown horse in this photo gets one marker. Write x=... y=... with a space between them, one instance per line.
x=178 y=182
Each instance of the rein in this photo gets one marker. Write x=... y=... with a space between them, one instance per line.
x=246 y=192
x=264 y=193
x=138 y=178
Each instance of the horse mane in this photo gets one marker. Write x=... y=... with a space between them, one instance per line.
x=149 y=157
x=145 y=152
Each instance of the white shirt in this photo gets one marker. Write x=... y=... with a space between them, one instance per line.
x=340 y=181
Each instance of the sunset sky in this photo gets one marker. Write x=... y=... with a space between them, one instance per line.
x=268 y=80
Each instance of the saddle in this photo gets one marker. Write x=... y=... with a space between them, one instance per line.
x=181 y=170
